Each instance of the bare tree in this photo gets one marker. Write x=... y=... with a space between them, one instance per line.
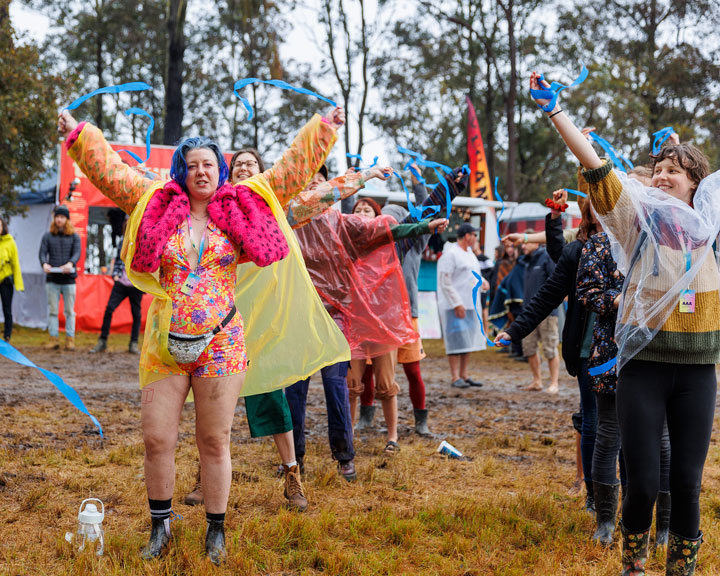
x=175 y=65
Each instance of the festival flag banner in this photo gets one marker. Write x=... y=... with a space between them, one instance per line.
x=479 y=174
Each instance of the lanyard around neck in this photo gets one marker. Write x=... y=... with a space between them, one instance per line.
x=202 y=242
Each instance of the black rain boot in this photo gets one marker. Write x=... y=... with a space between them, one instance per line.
x=215 y=542
x=367 y=415
x=662 y=518
x=606 y=503
x=589 y=497
x=634 y=551
x=682 y=555
x=421 y=427
x=159 y=538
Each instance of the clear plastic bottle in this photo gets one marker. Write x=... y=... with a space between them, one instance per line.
x=90 y=529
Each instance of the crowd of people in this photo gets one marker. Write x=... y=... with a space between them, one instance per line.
x=234 y=253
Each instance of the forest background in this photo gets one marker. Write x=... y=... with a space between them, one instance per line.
x=401 y=68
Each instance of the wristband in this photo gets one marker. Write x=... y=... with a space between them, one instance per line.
x=555 y=113
x=524 y=238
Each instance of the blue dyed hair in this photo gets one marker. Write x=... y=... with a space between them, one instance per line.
x=178 y=166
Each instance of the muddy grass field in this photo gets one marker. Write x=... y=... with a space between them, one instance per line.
x=507 y=511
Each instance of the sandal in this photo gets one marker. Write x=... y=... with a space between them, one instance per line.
x=391 y=448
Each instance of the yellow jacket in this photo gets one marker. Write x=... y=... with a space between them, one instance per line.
x=9 y=262
x=288 y=333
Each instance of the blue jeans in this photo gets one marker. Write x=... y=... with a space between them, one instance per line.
x=588 y=409
x=53 y=295
x=340 y=432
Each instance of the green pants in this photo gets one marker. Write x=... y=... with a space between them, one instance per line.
x=268 y=414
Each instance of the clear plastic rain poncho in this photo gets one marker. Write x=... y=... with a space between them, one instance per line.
x=661 y=245
x=353 y=264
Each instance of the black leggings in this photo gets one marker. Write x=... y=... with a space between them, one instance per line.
x=607 y=446
x=647 y=393
x=6 y=295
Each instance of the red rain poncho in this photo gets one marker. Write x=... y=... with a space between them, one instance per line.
x=354 y=267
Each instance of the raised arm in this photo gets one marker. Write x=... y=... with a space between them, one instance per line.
x=313 y=202
x=291 y=174
x=101 y=164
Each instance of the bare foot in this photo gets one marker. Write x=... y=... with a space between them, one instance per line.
x=553 y=388
x=534 y=387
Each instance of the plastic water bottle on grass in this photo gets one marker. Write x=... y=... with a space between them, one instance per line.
x=90 y=529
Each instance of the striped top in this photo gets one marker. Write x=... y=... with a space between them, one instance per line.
x=682 y=338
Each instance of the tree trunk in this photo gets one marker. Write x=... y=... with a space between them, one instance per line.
x=173 y=88
x=510 y=189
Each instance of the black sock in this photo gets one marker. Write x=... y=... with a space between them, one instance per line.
x=210 y=517
x=160 y=508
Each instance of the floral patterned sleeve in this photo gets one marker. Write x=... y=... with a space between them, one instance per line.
x=289 y=175
x=593 y=283
x=106 y=170
x=312 y=203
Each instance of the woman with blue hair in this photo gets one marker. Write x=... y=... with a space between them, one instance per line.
x=231 y=297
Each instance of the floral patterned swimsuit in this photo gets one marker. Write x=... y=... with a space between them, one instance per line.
x=208 y=305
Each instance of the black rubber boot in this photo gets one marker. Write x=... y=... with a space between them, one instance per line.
x=634 y=551
x=682 y=555
x=421 y=427
x=367 y=415
x=101 y=346
x=159 y=538
x=215 y=542
x=606 y=503
x=589 y=497
x=662 y=518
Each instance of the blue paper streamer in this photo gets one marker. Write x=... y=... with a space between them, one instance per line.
x=606 y=367
x=576 y=192
x=553 y=92
x=358 y=157
x=420 y=160
x=660 y=137
x=16 y=356
x=475 y=291
x=502 y=206
x=415 y=212
x=151 y=126
x=615 y=156
x=129 y=87
x=240 y=84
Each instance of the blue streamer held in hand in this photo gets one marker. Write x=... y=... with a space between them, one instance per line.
x=606 y=367
x=614 y=155
x=358 y=157
x=502 y=206
x=240 y=84
x=660 y=137
x=553 y=92
x=129 y=87
x=475 y=291
x=150 y=128
x=576 y=192
x=16 y=356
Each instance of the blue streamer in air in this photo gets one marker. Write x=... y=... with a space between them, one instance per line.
x=576 y=192
x=553 y=92
x=436 y=167
x=151 y=126
x=660 y=137
x=606 y=367
x=240 y=84
x=129 y=87
x=415 y=212
x=13 y=354
x=615 y=156
x=358 y=157
x=475 y=291
x=502 y=206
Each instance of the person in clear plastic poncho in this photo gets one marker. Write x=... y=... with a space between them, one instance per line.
x=668 y=329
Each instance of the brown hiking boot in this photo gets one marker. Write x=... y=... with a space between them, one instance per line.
x=53 y=343
x=294 y=489
x=69 y=343
x=195 y=498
